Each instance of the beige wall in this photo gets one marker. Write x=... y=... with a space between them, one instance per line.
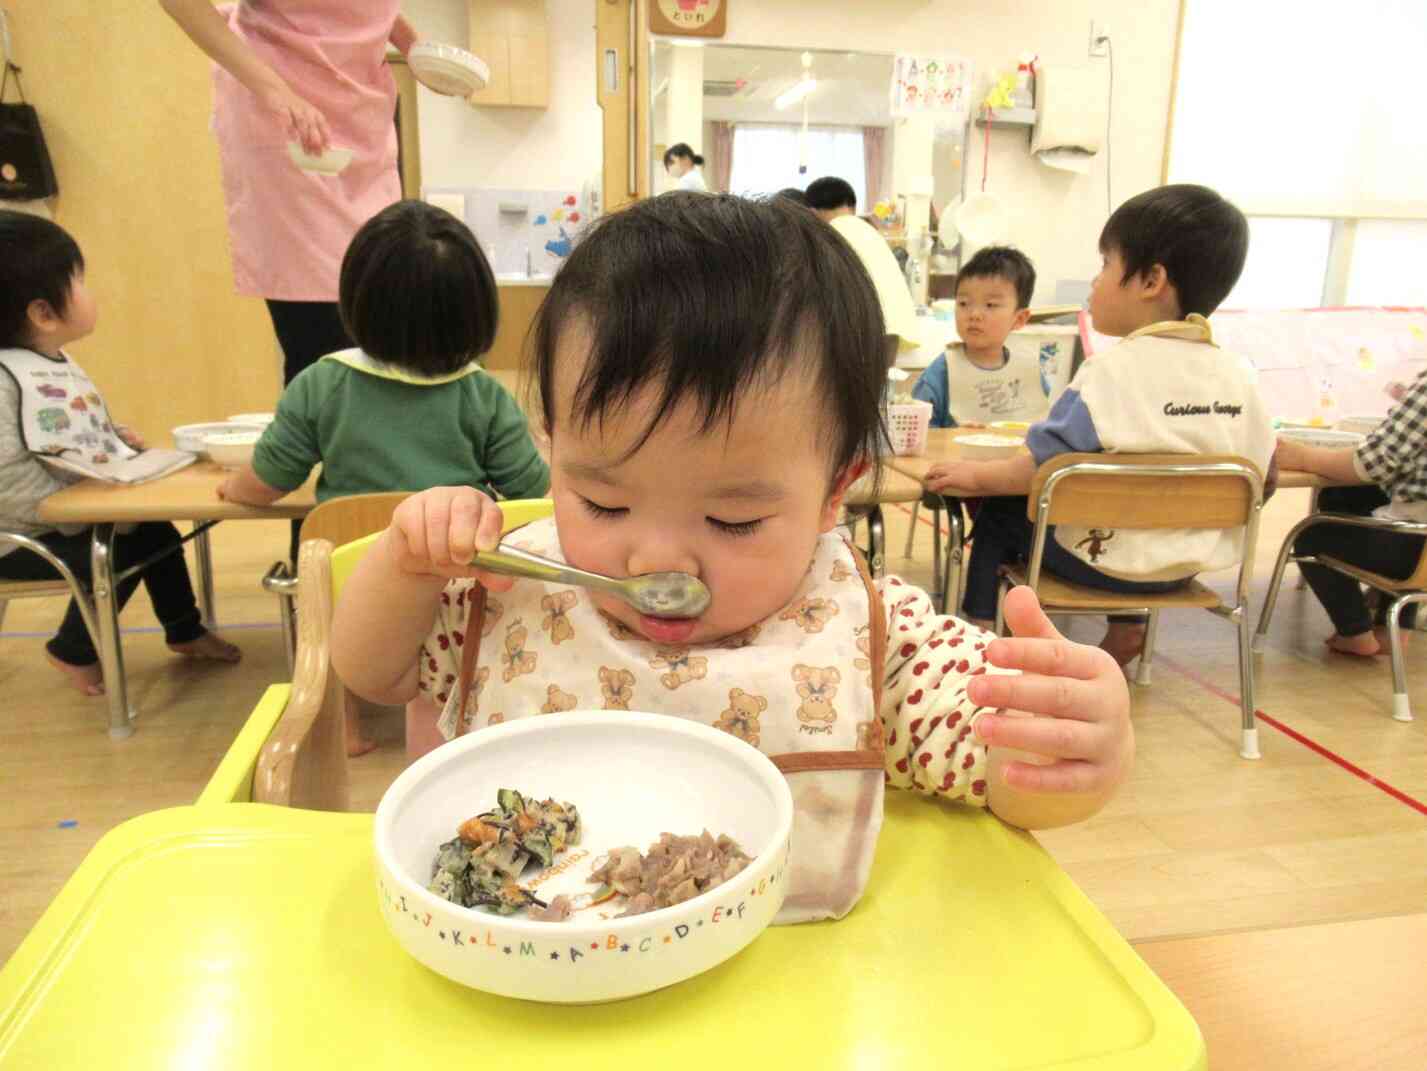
x=124 y=100
x=515 y=148
x=1057 y=216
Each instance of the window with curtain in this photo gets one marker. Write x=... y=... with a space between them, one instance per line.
x=766 y=159
x=1302 y=114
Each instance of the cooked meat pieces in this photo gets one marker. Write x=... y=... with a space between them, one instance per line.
x=674 y=869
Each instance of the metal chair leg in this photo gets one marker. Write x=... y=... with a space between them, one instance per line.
x=876 y=544
x=1143 y=670
x=1249 y=735
x=937 y=575
x=955 y=549
x=1271 y=595
x=1001 y=589
x=1401 y=707
x=1312 y=509
x=4 y=605
x=911 y=530
x=106 y=613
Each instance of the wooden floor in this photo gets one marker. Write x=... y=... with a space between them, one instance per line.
x=1199 y=842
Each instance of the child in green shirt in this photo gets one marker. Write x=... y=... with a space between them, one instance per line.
x=409 y=408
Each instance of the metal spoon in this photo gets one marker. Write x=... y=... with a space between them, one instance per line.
x=654 y=594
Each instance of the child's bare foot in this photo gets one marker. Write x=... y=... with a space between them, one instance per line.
x=1123 y=642
x=89 y=680
x=1362 y=645
x=208 y=647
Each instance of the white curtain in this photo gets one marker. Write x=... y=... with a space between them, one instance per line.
x=1305 y=109
x=766 y=159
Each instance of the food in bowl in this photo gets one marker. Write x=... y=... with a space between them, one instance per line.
x=231 y=449
x=1012 y=425
x=987 y=446
x=633 y=776
x=1320 y=437
x=190 y=436
x=674 y=869
x=481 y=866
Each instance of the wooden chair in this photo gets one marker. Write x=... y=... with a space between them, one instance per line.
x=339 y=521
x=1402 y=593
x=1141 y=492
x=304 y=760
x=67 y=584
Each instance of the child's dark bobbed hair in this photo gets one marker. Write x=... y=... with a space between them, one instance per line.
x=1003 y=262
x=1201 y=240
x=417 y=292
x=682 y=151
x=38 y=262
x=706 y=298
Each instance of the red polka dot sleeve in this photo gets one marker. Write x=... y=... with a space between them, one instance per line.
x=441 y=653
x=926 y=717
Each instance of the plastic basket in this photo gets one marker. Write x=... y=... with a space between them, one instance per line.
x=907 y=424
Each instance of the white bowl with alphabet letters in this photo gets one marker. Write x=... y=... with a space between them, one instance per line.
x=632 y=776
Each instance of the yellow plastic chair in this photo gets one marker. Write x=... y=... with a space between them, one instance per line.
x=1138 y=492
x=292 y=751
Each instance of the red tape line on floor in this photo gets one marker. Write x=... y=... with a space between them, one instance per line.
x=1294 y=734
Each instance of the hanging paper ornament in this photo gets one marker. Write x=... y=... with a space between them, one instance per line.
x=558 y=215
x=573 y=217
x=540 y=221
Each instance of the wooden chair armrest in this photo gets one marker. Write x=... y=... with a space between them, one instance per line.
x=304 y=763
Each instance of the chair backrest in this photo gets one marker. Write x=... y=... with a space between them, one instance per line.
x=304 y=762
x=341 y=520
x=1146 y=491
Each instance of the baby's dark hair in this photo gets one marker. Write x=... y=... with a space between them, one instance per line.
x=417 y=292
x=705 y=297
x=38 y=262
x=1200 y=239
x=683 y=152
x=792 y=193
x=1003 y=262
x=831 y=192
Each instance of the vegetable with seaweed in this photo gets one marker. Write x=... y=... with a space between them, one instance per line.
x=482 y=865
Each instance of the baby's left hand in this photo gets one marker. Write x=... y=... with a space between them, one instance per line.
x=1079 y=695
x=129 y=437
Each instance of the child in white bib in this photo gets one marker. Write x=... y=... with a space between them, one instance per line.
x=710 y=373
x=49 y=411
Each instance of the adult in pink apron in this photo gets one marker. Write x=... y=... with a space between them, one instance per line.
x=314 y=72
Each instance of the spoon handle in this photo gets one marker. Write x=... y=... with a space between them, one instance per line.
x=510 y=561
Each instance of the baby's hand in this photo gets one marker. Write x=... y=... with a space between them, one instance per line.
x=1079 y=693
x=438 y=532
x=1397 y=390
x=951 y=476
x=129 y=437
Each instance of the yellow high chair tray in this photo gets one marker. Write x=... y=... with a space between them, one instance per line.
x=234 y=935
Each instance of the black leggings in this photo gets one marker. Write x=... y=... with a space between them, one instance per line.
x=167 y=580
x=1391 y=554
x=307 y=331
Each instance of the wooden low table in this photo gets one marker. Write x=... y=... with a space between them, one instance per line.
x=190 y=494
x=1308 y=998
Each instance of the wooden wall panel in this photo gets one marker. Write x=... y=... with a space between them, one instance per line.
x=125 y=100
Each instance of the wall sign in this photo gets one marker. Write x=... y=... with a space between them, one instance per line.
x=689 y=18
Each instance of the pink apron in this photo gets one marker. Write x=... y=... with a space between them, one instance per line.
x=289 y=228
